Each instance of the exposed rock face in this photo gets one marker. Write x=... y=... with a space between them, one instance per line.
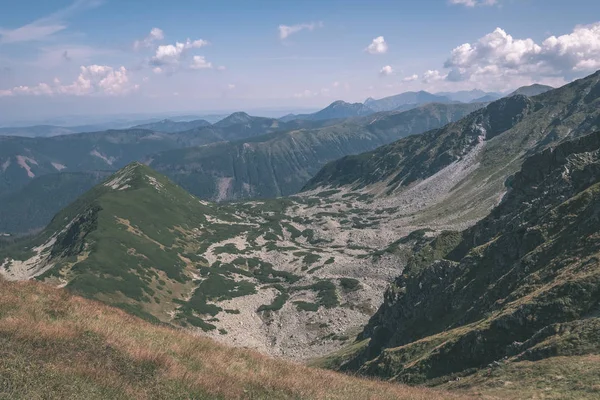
x=523 y=283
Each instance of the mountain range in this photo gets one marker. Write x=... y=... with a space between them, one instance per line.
x=249 y=156
x=281 y=163
x=459 y=251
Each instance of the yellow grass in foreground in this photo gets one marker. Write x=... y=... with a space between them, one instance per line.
x=54 y=345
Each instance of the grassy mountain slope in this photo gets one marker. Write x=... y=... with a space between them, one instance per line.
x=522 y=285
x=33 y=206
x=280 y=164
x=120 y=239
x=55 y=345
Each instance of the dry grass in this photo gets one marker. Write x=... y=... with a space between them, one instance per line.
x=555 y=378
x=54 y=345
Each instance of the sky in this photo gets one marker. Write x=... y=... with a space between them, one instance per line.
x=94 y=57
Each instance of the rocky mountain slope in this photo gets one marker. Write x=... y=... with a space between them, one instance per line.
x=482 y=149
x=280 y=164
x=523 y=284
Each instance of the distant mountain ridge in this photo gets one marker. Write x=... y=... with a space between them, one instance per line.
x=336 y=110
x=170 y=126
x=470 y=96
x=22 y=158
x=405 y=100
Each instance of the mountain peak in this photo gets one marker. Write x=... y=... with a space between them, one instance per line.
x=532 y=90
x=339 y=103
x=134 y=176
x=239 y=117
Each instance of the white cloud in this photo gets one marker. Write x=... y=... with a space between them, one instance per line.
x=473 y=3
x=286 y=31
x=386 y=71
x=92 y=79
x=168 y=58
x=231 y=86
x=221 y=68
x=378 y=46
x=199 y=62
x=499 y=55
x=433 y=76
x=155 y=35
x=46 y=26
x=411 y=78
x=172 y=54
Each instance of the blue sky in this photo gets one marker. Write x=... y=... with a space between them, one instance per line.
x=61 y=57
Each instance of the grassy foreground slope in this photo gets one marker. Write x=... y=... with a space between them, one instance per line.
x=54 y=345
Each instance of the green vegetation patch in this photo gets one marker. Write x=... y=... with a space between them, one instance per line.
x=326 y=293
x=349 y=284
x=306 y=306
